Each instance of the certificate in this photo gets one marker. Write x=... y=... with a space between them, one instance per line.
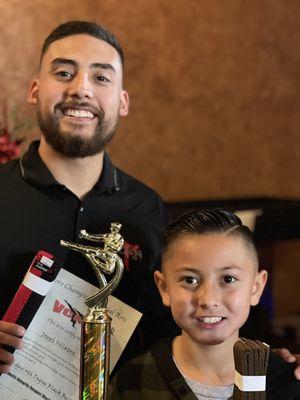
x=48 y=366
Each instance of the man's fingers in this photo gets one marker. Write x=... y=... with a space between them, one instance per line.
x=10 y=328
x=6 y=357
x=6 y=361
x=285 y=354
x=10 y=335
x=297 y=371
x=289 y=357
x=10 y=340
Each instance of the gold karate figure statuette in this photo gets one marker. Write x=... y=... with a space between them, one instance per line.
x=95 y=340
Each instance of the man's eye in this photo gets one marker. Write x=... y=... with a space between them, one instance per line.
x=64 y=74
x=229 y=279
x=102 y=78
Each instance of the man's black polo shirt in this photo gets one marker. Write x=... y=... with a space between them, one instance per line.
x=37 y=212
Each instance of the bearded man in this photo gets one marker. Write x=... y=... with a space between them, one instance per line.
x=66 y=182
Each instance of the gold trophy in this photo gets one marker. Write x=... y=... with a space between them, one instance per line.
x=95 y=339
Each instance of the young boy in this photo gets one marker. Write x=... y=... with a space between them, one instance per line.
x=209 y=279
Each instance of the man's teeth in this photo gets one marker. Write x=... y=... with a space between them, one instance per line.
x=79 y=113
x=210 y=320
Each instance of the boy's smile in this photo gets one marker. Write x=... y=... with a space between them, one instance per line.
x=209 y=322
x=210 y=281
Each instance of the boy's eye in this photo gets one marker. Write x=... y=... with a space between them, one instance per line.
x=229 y=279
x=190 y=280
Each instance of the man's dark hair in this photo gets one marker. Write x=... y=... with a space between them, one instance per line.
x=198 y=222
x=82 y=27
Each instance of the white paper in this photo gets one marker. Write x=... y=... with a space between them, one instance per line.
x=48 y=367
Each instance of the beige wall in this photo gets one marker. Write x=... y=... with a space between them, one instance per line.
x=214 y=85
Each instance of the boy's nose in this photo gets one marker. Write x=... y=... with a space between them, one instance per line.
x=80 y=87
x=207 y=295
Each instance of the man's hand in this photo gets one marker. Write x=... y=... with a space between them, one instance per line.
x=289 y=357
x=10 y=335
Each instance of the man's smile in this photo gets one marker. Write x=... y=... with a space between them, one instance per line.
x=71 y=112
x=82 y=111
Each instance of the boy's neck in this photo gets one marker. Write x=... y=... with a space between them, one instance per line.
x=208 y=364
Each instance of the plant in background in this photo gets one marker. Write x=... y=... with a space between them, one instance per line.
x=9 y=147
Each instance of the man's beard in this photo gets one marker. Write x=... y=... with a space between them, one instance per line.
x=71 y=145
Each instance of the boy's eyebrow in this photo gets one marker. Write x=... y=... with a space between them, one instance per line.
x=196 y=270
x=187 y=269
x=231 y=267
x=58 y=61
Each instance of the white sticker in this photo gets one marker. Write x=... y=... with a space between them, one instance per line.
x=47 y=261
x=250 y=383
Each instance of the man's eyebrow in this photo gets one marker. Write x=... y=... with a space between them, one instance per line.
x=103 y=66
x=61 y=61
x=58 y=61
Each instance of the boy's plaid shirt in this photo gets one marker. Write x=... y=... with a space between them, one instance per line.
x=152 y=375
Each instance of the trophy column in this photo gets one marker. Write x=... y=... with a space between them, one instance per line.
x=95 y=334
x=95 y=349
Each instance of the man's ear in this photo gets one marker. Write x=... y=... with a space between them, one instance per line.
x=162 y=287
x=124 y=104
x=258 y=286
x=33 y=92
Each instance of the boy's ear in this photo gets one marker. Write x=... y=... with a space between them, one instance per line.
x=162 y=287
x=33 y=92
x=258 y=286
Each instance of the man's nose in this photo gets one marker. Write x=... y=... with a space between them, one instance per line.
x=207 y=295
x=80 y=87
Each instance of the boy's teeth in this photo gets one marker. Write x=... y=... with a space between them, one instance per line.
x=210 y=320
x=79 y=113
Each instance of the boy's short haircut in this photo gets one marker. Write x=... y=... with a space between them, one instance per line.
x=82 y=27
x=215 y=221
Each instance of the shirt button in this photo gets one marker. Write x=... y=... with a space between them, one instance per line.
x=81 y=209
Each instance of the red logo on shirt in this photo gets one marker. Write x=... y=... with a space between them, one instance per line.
x=131 y=251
